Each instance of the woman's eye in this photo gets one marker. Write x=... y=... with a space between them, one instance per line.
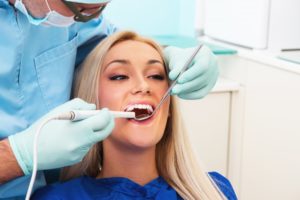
x=157 y=77
x=118 y=77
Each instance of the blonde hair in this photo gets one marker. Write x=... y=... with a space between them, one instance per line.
x=174 y=157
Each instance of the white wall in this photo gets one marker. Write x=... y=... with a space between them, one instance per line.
x=153 y=17
x=199 y=16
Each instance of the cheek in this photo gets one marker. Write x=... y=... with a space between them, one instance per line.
x=160 y=89
x=165 y=111
x=109 y=96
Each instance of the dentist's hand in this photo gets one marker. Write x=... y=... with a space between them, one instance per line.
x=199 y=78
x=61 y=142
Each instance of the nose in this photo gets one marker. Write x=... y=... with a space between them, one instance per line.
x=141 y=86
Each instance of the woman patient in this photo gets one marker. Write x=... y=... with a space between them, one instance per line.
x=148 y=159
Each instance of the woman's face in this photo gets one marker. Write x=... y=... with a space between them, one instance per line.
x=133 y=78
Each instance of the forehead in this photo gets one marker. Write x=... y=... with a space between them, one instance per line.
x=134 y=49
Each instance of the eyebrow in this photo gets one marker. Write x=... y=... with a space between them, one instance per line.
x=154 y=61
x=124 y=61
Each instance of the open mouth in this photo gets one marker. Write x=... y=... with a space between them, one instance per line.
x=140 y=110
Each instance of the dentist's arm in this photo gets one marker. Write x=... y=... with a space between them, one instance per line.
x=61 y=142
x=9 y=167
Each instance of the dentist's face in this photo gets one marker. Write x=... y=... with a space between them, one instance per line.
x=134 y=79
x=39 y=9
x=59 y=6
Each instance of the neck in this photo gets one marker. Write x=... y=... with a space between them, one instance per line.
x=135 y=164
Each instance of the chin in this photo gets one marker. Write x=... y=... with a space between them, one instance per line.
x=142 y=143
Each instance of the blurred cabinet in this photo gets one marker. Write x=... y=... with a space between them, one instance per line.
x=250 y=132
x=258 y=24
x=264 y=159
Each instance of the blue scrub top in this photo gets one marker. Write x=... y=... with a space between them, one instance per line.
x=36 y=72
x=88 y=188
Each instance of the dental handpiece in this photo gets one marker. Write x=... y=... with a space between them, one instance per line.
x=76 y=115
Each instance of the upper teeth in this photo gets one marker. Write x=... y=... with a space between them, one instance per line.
x=139 y=106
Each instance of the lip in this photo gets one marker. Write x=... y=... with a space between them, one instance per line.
x=144 y=122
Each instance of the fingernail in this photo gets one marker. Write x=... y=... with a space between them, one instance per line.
x=172 y=75
x=174 y=91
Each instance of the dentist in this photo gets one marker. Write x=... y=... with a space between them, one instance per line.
x=41 y=44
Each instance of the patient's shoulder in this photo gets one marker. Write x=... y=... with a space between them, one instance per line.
x=224 y=185
x=60 y=190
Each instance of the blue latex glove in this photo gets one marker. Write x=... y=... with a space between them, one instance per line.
x=61 y=142
x=199 y=78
